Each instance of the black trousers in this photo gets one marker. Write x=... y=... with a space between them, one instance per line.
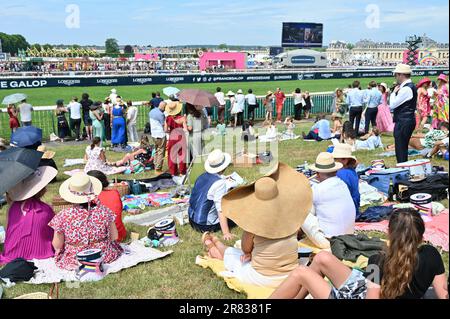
x=298 y=111
x=76 y=126
x=371 y=118
x=251 y=112
x=403 y=130
x=355 y=117
x=210 y=228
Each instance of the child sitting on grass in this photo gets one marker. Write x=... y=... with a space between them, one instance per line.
x=372 y=143
x=221 y=128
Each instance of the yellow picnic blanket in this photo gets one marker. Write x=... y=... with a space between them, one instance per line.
x=256 y=292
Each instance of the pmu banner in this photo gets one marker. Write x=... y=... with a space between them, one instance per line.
x=173 y=79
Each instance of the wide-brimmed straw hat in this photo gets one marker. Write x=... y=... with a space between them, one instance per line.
x=403 y=69
x=80 y=188
x=443 y=77
x=114 y=91
x=343 y=151
x=217 y=161
x=385 y=86
x=273 y=207
x=423 y=82
x=33 y=184
x=47 y=154
x=240 y=91
x=230 y=93
x=269 y=93
x=325 y=163
x=173 y=108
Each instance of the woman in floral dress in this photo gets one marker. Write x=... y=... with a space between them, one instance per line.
x=440 y=109
x=423 y=103
x=86 y=225
x=96 y=159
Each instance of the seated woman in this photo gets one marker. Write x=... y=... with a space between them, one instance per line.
x=111 y=199
x=143 y=154
x=271 y=133
x=248 y=132
x=348 y=135
x=290 y=126
x=405 y=270
x=372 y=143
x=96 y=159
x=320 y=130
x=86 y=225
x=269 y=248
x=422 y=141
x=342 y=153
x=336 y=119
x=28 y=235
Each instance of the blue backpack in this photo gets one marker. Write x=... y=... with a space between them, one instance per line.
x=381 y=179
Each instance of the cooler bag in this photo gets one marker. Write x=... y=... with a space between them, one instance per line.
x=381 y=179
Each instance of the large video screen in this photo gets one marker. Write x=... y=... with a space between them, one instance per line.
x=302 y=35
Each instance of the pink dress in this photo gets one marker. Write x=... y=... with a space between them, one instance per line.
x=385 y=122
x=83 y=229
x=423 y=104
x=28 y=235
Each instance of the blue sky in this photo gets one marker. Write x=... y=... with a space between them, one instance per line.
x=179 y=22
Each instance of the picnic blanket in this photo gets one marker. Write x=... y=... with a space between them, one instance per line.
x=157 y=199
x=73 y=162
x=134 y=254
x=411 y=152
x=436 y=229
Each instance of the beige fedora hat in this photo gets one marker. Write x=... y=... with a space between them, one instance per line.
x=230 y=93
x=33 y=184
x=343 y=151
x=80 y=188
x=403 y=69
x=217 y=161
x=273 y=207
x=325 y=163
x=173 y=108
x=47 y=154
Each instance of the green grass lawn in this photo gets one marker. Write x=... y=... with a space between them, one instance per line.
x=177 y=276
x=48 y=96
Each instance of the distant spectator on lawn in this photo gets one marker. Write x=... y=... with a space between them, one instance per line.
x=280 y=98
x=25 y=110
x=320 y=130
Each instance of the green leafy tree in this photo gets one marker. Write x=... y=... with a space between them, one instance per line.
x=112 y=46
x=12 y=43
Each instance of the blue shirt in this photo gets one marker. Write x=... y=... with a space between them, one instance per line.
x=355 y=98
x=350 y=178
x=157 y=119
x=155 y=102
x=324 y=129
x=373 y=98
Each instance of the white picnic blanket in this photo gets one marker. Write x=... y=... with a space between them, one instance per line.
x=73 y=162
x=134 y=254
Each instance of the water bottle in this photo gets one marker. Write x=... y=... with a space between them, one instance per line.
x=136 y=188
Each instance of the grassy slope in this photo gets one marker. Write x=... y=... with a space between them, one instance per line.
x=177 y=276
x=48 y=96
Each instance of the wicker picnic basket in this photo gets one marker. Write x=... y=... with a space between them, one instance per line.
x=121 y=187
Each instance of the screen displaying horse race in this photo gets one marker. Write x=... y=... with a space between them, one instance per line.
x=302 y=35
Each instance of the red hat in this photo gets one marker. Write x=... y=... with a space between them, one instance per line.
x=423 y=81
x=443 y=77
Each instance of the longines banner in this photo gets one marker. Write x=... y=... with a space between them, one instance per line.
x=40 y=82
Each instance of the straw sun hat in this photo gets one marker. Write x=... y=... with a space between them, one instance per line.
x=47 y=154
x=173 y=108
x=80 y=188
x=325 y=163
x=230 y=93
x=33 y=184
x=217 y=161
x=273 y=207
x=402 y=69
x=343 y=151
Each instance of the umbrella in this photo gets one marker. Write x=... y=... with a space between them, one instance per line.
x=17 y=164
x=198 y=98
x=26 y=136
x=14 y=98
x=170 y=91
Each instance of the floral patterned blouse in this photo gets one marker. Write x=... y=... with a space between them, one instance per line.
x=83 y=229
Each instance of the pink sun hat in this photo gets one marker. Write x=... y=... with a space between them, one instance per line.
x=423 y=81
x=443 y=77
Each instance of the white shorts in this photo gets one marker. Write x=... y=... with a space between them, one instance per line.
x=245 y=272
